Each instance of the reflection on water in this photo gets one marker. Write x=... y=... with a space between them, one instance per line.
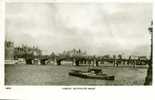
x=58 y=75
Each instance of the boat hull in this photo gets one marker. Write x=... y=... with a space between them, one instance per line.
x=87 y=75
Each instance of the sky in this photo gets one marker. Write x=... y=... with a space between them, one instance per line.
x=98 y=28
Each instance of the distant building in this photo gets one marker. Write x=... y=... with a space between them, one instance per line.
x=25 y=51
x=36 y=51
x=142 y=58
x=77 y=52
x=19 y=52
x=9 y=52
x=29 y=55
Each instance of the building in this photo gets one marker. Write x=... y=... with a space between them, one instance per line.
x=9 y=52
x=24 y=51
x=29 y=54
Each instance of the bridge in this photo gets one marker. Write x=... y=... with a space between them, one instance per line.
x=84 y=60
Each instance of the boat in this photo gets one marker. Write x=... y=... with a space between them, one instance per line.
x=91 y=74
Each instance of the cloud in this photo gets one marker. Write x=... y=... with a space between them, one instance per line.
x=96 y=28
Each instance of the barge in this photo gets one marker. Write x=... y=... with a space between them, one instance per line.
x=91 y=74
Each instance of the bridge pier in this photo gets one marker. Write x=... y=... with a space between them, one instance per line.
x=91 y=62
x=42 y=61
x=55 y=61
x=114 y=63
x=29 y=61
x=36 y=61
x=58 y=62
x=123 y=62
x=75 y=62
x=81 y=61
x=84 y=61
x=102 y=61
x=95 y=62
x=117 y=62
x=134 y=63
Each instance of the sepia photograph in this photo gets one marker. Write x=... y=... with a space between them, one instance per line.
x=84 y=44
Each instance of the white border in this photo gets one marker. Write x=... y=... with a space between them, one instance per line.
x=57 y=92
x=86 y=1
x=2 y=9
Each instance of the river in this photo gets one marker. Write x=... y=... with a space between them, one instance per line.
x=53 y=75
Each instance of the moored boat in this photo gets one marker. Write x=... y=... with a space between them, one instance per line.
x=91 y=74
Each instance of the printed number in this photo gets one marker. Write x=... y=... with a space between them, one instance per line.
x=8 y=88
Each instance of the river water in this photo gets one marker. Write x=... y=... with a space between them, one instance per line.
x=53 y=75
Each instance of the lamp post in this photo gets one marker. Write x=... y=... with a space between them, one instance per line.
x=148 y=79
